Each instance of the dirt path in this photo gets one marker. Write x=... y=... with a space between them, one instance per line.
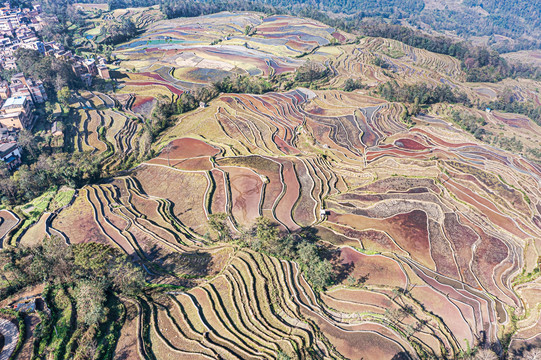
x=10 y=333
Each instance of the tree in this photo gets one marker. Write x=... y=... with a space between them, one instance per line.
x=64 y=95
x=533 y=354
x=350 y=85
x=310 y=72
x=54 y=73
x=128 y=279
x=218 y=224
x=167 y=149
x=265 y=233
x=485 y=354
x=28 y=142
x=90 y=298
x=116 y=33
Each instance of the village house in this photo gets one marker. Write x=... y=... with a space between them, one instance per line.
x=16 y=112
x=23 y=86
x=5 y=91
x=90 y=65
x=10 y=153
x=8 y=135
x=103 y=72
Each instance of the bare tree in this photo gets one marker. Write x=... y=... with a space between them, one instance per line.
x=485 y=354
x=167 y=149
x=533 y=354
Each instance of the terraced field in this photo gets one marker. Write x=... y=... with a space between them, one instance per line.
x=427 y=218
x=103 y=129
x=435 y=235
x=201 y=50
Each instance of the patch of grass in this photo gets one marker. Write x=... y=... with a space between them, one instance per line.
x=527 y=277
x=366 y=252
x=36 y=207
x=393 y=53
x=62 y=198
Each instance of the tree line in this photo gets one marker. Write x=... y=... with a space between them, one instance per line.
x=421 y=94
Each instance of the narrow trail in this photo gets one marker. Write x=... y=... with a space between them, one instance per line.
x=11 y=334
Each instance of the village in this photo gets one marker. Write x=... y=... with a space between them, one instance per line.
x=18 y=98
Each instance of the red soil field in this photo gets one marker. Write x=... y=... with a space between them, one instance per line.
x=374 y=155
x=303 y=212
x=338 y=36
x=409 y=144
x=152 y=76
x=409 y=230
x=171 y=88
x=349 y=343
x=514 y=197
x=246 y=189
x=440 y=141
x=482 y=315
x=143 y=104
x=441 y=251
x=127 y=346
x=299 y=46
x=371 y=239
x=462 y=239
x=378 y=269
x=103 y=218
x=284 y=207
x=398 y=184
x=219 y=198
x=361 y=296
x=263 y=166
x=490 y=253
x=516 y=122
x=186 y=148
x=196 y=164
x=348 y=306
x=484 y=206
x=439 y=304
x=78 y=223
x=186 y=190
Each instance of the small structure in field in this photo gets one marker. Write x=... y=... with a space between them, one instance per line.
x=103 y=72
x=56 y=129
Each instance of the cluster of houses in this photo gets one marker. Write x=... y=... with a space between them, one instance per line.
x=18 y=29
x=17 y=101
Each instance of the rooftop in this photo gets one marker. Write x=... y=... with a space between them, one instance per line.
x=7 y=147
x=14 y=101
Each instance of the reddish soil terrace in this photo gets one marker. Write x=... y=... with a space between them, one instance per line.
x=186 y=148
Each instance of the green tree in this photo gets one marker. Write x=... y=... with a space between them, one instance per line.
x=218 y=224
x=64 y=95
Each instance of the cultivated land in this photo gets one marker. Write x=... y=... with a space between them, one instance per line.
x=439 y=230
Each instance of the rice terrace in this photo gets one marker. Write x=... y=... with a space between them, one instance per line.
x=258 y=182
